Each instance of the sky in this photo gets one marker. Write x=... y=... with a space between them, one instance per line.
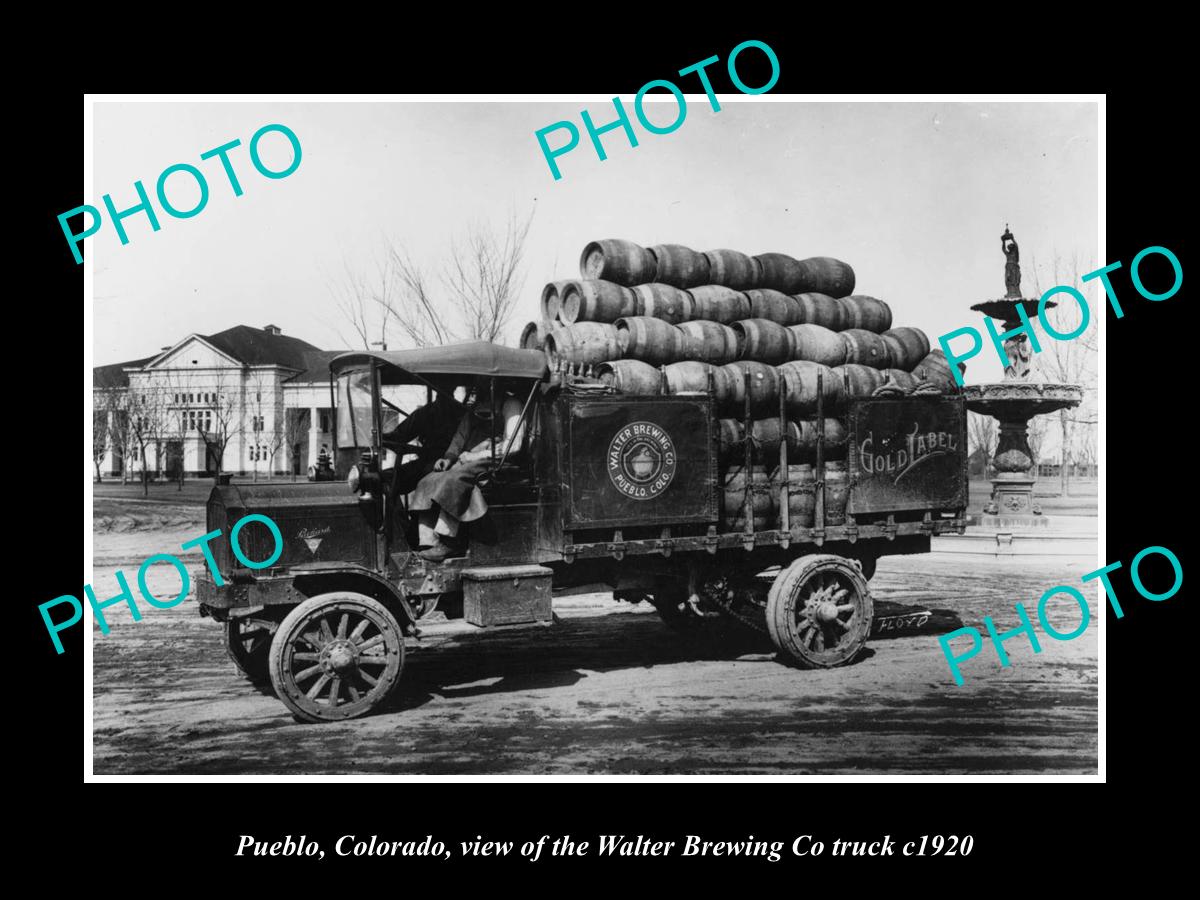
x=914 y=196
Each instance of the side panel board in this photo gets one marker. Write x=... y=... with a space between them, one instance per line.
x=908 y=454
x=639 y=461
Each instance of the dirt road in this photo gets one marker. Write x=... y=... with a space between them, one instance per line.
x=610 y=690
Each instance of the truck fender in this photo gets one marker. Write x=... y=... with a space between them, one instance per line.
x=312 y=582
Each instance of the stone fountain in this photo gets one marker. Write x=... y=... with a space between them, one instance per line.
x=1013 y=402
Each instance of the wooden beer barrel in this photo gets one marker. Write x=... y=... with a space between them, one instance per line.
x=767 y=435
x=731 y=387
x=763 y=340
x=584 y=343
x=908 y=346
x=865 y=312
x=689 y=376
x=802 y=497
x=595 y=301
x=622 y=262
x=816 y=343
x=837 y=492
x=866 y=348
x=732 y=269
x=551 y=301
x=905 y=381
x=775 y=305
x=680 y=266
x=860 y=381
x=936 y=370
x=823 y=310
x=761 y=498
x=835 y=436
x=731 y=434
x=719 y=304
x=648 y=339
x=663 y=301
x=780 y=272
x=799 y=386
x=533 y=336
x=630 y=376
x=708 y=342
x=824 y=275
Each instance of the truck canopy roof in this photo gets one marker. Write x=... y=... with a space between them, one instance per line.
x=473 y=358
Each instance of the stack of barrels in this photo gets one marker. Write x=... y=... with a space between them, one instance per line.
x=668 y=320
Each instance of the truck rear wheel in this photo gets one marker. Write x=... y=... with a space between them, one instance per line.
x=819 y=611
x=336 y=656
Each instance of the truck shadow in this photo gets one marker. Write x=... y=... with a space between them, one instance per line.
x=517 y=660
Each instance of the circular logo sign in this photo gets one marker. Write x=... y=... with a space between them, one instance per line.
x=641 y=460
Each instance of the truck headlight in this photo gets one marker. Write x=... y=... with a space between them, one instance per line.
x=352 y=480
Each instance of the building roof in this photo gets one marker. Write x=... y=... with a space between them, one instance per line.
x=250 y=346
x=259 y=347
x=316 y=367
x=114 y=375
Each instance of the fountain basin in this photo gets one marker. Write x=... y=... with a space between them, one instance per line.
x=1013 y=403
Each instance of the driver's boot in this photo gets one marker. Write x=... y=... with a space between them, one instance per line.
x=444 y=548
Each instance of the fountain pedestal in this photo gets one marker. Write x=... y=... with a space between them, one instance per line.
x=1013 y=404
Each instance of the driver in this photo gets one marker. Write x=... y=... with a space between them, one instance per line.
x=450 y=496
x=433 y=426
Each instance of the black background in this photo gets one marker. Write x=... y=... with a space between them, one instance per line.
x=1055 y=829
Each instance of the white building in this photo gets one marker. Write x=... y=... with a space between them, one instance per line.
x=252 y=399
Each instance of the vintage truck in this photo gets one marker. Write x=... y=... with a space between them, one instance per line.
x=607 y=491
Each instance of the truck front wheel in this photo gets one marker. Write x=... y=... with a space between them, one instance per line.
x=248 y=643
x=819 y=611
x=336 y=656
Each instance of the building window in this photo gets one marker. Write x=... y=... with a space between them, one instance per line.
x=325 y=422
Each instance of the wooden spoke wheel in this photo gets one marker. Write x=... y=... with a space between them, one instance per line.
x=248 y=643
x=819 y=611
x=336 y=656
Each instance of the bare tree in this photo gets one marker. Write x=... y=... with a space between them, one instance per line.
x=1072 y=361
x=269 y=432
x=295 y=430
x=216 y=418
x=100 y=440
x=116 y=403
x=471 y=297
x=419 y=315
x=148 y=416
x=367 y=304
x=1086 y=448
x=483 y=278
x=981 y=436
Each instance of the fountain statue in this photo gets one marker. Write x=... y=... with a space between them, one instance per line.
x=1013 y=402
